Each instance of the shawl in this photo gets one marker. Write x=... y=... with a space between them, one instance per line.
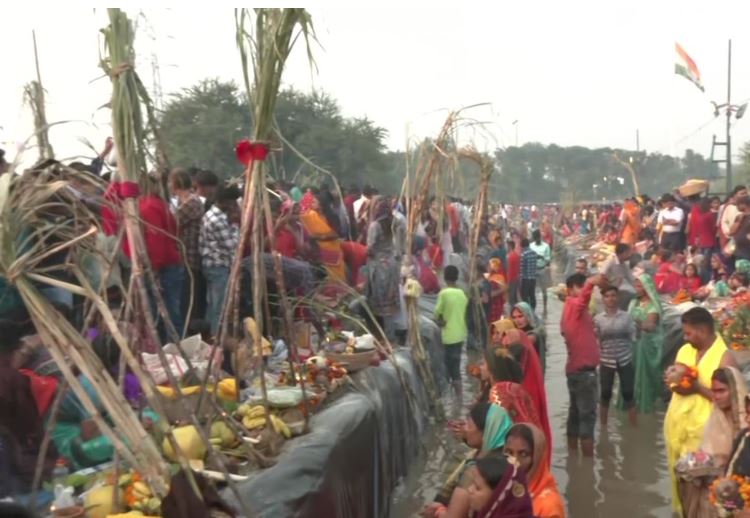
x=721 y=431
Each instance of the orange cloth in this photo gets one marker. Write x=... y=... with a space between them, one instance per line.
x=631 y=223
x=545 y=497
x=331 y=254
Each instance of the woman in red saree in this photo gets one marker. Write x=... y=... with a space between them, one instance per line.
x=506 y=335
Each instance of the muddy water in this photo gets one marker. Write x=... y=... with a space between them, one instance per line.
x=627 y=478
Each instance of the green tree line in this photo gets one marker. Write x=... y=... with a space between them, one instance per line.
x=201 y=124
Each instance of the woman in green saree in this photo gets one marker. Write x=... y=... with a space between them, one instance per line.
x=647 y=312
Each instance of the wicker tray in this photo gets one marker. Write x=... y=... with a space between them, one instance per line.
x=353 y=362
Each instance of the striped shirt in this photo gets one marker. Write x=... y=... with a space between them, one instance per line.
x=616 y=337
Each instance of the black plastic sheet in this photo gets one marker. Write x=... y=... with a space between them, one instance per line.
x=357 y=451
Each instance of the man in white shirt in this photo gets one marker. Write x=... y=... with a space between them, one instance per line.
x=670 y=219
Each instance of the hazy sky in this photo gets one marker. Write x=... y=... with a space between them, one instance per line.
x=573 y=73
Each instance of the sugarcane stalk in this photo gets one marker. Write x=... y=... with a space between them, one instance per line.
x=53 y=412
x=286 y=308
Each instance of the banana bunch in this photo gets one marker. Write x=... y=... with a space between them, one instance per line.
x=139 y=497
x=222 y=436
x=254 y=417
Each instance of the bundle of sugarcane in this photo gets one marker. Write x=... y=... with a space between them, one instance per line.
x=34 y=96
x=480 y=210
x=430 y=168
x=268 y=47
x=128 y=96
x=43 y=220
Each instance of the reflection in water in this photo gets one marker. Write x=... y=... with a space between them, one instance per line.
x=627 y=478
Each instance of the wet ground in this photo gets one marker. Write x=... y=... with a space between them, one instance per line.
x=627 y=478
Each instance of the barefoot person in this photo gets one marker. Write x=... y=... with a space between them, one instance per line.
x=616 y=331
x=577 y=328
x=450 y=313
x=690 y=407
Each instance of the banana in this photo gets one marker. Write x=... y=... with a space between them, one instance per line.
x=125 y=479
x=256 y=411
x=141 y=490
x=280 y=426
x=243 y=409
x=253 y=423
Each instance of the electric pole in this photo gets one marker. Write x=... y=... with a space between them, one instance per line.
x=730 y=109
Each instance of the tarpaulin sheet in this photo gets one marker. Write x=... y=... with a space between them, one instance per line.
x=357 y=451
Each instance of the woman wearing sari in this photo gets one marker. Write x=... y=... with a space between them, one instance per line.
x=526 y=443
x=484 y=430
x=328 y=241
x=504 y=375
x=383 y=273
x=498 y=490
x=527 y=321
x=496 y=277
x=646 y=310
x=727 y=419
x=506 y=335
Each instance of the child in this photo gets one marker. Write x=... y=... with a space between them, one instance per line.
x=497 y=487
x=690 y=281
x=450 y=313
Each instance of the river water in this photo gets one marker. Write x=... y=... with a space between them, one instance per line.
x=627 y=478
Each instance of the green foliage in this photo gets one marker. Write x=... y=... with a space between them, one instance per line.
x=202 y=123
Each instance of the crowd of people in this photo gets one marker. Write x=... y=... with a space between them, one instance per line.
x=330 y=242
x=674 y=250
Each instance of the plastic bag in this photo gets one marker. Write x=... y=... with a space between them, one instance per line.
x=63 y=497
x=199 y=354
x=177 y=366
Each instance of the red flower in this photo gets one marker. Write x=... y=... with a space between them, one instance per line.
x=247 y=151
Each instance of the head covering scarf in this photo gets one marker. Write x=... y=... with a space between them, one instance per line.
x=720 y=430
x=503 y=325
x=495 y=428
x=742 y=266
x=716 y=275
x=545 y=496
x=496 y=272
x=534 y=322
x=306 y=202
x=650 y=287
x=295 y=193
x=287 y=206
x=510 y=499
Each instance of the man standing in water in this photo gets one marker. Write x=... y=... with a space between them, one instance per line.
x=577 y=328
x=690 y=407
x=544 y=258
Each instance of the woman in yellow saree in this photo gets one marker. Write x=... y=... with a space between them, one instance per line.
x=330 y=253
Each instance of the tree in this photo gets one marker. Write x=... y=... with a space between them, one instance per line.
x=202 y=123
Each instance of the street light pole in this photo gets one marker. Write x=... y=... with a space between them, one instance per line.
x=729 y=118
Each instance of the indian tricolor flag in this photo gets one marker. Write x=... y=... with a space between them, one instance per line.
x=686 y=67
